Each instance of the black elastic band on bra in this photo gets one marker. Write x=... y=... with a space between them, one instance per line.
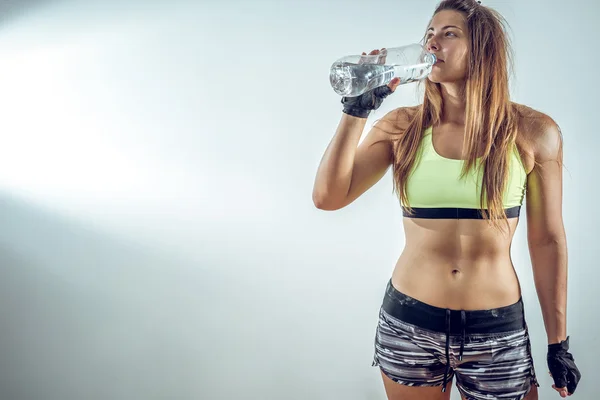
x=455 y=213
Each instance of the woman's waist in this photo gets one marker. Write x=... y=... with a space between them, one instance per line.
x=458 y=283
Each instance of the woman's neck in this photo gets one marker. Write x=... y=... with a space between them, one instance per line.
x=454 y=104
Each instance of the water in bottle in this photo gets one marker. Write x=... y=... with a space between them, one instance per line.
x=353 y=75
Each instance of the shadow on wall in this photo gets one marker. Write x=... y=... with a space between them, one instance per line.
x=83 y=315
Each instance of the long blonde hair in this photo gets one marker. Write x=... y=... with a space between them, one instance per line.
x=491 y=120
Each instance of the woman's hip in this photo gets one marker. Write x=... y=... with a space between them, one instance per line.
x=415 y=312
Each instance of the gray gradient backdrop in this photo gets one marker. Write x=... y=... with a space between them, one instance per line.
x=158 y=238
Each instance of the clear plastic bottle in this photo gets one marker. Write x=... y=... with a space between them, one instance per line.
x=351 y=76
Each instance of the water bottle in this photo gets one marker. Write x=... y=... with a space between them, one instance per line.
x=351 y=76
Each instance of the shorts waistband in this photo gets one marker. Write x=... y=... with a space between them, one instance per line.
x=415 y=312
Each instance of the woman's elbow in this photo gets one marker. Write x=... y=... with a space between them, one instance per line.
x=325 y=203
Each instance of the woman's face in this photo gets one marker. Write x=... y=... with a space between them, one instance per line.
x=447 y=38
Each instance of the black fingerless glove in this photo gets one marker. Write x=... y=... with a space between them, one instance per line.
x=361 y=106
x=562 y=366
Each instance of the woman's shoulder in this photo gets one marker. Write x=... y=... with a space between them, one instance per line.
x=533 y=124
x=398 y=119
x=537 y=132
x=406 y=115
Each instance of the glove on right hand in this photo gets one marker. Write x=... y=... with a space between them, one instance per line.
x=361 y=106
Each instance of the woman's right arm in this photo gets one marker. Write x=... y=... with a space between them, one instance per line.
x=347 y=170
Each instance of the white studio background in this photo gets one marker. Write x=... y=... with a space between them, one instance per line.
x=158 y=237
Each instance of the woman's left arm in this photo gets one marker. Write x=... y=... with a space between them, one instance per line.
x=548 y=249
x=545 y=230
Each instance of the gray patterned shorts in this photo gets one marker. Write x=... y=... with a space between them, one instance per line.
x=487 y=350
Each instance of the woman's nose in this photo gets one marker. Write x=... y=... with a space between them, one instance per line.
x=432 y=45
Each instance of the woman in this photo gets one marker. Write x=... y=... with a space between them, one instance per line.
x=463 y=162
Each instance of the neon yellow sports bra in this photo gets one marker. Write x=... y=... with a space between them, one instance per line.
x=435 y=189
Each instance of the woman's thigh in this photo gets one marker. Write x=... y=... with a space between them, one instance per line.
x=396 y=391
x=533 y=394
